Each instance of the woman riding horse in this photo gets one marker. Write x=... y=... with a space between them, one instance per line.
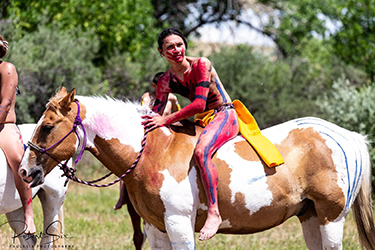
x=196 y=79
x=10 y=136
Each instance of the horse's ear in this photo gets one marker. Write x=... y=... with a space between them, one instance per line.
x=63 y=91
x=64 y=103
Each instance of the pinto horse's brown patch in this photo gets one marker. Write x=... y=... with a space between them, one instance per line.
x=306 y=147
x=302 y=147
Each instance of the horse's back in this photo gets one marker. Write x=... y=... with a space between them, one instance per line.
x=322 y=166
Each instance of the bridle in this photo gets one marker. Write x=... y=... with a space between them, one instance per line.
x=69 y=172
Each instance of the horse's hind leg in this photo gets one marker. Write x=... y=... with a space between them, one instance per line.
x=311 y=229
x=318 y=235
x=332 y=234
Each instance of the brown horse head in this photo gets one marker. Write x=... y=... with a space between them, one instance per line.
x=55 y=123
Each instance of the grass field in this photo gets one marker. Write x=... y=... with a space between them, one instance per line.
x=91 y=223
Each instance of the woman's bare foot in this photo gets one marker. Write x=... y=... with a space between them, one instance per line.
x=211 y=225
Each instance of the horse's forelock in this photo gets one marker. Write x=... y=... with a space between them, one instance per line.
x=51 y=106
x=53 y=103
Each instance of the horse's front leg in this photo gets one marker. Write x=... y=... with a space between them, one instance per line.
x=180 y=201
x=180 y=229
x=157 y=239
x=179 y=235
x=138 y=237
x=53 y=220
x=15 y=220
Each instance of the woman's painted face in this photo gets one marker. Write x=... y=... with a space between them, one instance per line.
x=173 y=48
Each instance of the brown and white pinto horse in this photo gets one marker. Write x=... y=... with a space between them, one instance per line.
x=326 y=173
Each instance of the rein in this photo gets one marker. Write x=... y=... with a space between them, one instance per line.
x=70 y=172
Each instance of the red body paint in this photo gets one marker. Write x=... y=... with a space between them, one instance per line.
x=176 y=54
x=198 y=85
x=203 y=88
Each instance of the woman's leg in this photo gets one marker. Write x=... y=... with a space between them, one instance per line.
x=135 y=218
x=14 y=150
x=138 y=236
x=122 y=200
x=223 y=128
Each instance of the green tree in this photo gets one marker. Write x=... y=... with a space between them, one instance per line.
x=125 y=26
x=189 y=15
x=279 y=90
x=124 y=77
x=46 y=60
x=292 y=22
x=351 y=28
x=354 y=42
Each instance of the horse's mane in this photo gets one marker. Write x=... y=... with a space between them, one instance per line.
x=118 y=105
x=107 y=100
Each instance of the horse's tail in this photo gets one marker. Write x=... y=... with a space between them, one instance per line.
x=362 y=208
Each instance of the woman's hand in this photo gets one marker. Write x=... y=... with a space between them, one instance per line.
x=153 y=121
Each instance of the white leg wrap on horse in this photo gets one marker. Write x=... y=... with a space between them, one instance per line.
x=332 y=234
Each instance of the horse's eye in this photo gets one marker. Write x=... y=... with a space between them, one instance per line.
x=47 y=128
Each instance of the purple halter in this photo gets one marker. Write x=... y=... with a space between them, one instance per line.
x=70 y=172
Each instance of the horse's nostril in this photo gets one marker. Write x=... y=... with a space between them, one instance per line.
x=23 y=173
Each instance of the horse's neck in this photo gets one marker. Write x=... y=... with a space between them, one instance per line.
x=115 y=134
x=114 y=131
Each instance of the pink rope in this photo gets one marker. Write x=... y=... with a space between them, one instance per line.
x=76 y=179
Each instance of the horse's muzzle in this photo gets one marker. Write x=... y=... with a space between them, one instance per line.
x=34 y=176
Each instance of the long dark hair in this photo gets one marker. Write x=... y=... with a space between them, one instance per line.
x=167 y=32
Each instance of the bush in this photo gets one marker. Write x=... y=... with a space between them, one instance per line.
x=352 y=107
x=46 y=60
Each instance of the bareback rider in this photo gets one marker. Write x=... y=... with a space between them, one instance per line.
x=196 y=79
